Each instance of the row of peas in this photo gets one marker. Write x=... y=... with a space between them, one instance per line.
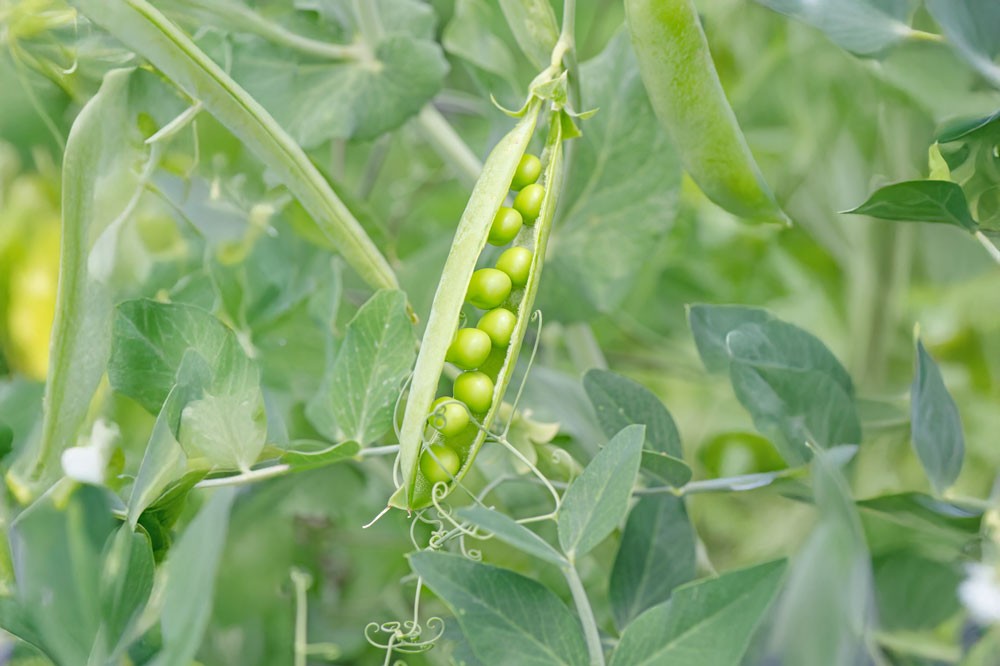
x=488 y=289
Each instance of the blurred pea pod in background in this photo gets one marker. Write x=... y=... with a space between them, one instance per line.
x=684 y=90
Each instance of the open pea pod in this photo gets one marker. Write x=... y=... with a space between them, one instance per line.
x=687 y=96
x=415 y=488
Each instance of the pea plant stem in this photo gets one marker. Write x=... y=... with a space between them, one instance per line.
x=993 y=250
x=239 y=16
x=300 y=580
x=245 y=477
x=446 y=142
x=586 y=613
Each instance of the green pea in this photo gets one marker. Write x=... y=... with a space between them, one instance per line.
x=528 y=171
x=488 y=288
x=469 y=348
x=449 y=416
x=506 y=223
x=439 y=463
x=499 y=325
x=687 y=96
x=516 y=263
x=528 y=202
x=475 y=389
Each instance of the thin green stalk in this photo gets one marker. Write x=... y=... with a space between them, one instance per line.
x=444 y=140
x=243 y=18
x=583 y=348
x=144 y=29
x=921 y=36
x=586 y=613
x=992 y=249
x=368 y=20
x=251 y=476
x=300 y=580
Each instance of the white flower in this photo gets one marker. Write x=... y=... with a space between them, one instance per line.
x=87 y=463
x=980 y=593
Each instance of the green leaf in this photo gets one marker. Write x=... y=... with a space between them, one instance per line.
x=973 y=27
x=359 y=396
x=164 y=461
x=506 y=618
x=125 y=585
x=620 y=402
x=918 y=520
x=863 y=27
x=14 y=620
x=792 y=406
x=963 y=127
x=597 y=500
x=151 y=339
x=827 y=609
x=56 y=546
x=938 y=201
x=724 y=333
x=81 y=331
x=710 y=324
x=511 y=532
x=470 y=36
x=142 y=27
x=914 y=591
x=708 y=622
x=224 y=431
x=625 y=174
x=657 y=553
x=310 y=454
x=534 y=26
x=935 y=425
x=350 y=99
x=793 y=386
x=191 y=570
x=666 y=469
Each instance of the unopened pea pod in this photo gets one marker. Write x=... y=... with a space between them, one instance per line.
x=687 y=96
x=414 y=493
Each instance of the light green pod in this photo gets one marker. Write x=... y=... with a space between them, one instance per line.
x=414 y=491
x=687 y=96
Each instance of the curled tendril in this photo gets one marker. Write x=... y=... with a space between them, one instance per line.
x=473 y=554
x=396 y=417
x=404 y=637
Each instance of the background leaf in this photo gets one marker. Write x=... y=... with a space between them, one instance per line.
x=793 y=386
x=359 y=396
x=126 y=582
x=939 y=201
x=56 y=548
x=657 y=553
x=151 y=338
x=935 y=425
x=191 y=570
x=827 y=611
x=597 y=500
x=973 y=26
x=864 y=27
x=707 y=622
x=534 y=26
x=505 y=617
x=620 y=402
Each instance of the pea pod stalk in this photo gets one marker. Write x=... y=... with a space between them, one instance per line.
x=686 y=94
x=415 y=489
